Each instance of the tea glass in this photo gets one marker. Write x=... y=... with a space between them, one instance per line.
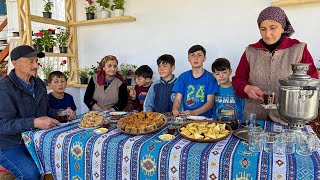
x=171 y=129
x=306 y=143
x=251 y=120
x=256 y=138
x=62 y=116
x=272 y=142
x=268 y=97
x=289 y=139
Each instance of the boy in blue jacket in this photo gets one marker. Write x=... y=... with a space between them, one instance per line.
x=160 y=97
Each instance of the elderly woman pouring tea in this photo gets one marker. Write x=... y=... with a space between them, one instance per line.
x=268 y=60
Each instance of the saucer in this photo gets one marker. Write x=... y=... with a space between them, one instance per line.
x=166 y=137
x=269 y=106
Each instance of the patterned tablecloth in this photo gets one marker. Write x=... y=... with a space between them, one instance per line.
x=73 y=153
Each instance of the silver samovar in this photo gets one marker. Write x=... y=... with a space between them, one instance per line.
x=298 y=97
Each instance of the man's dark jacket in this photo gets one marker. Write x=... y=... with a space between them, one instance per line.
x=18 y=108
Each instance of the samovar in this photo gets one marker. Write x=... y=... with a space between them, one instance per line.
x=298 y=97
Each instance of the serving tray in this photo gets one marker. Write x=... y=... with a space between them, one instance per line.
x=205 y=140
x=158 y=128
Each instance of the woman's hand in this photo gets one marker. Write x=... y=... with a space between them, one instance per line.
x=254 y=92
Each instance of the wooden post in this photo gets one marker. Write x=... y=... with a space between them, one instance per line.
x=24 y=22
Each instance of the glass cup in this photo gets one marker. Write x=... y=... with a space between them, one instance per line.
x=256 y=140
x=289 y=140
x=106 y=123
x=306 y=143
x=268 y=97
x=171 y=129
x=271 y=141
x=251 y=120
x=62 y=116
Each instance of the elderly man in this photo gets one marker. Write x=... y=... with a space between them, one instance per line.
x=23 y=106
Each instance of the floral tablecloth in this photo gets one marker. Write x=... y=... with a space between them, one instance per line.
x=73 y=153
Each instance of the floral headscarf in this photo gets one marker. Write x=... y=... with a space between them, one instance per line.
x=276 y=14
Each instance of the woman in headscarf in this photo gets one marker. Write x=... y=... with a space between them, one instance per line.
x=107 y=89
x=268 y=60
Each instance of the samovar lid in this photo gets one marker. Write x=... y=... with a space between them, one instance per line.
x=299 y=76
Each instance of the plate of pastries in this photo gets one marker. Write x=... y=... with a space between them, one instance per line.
x=142 y=123
x=205 y=131
x=92 y=120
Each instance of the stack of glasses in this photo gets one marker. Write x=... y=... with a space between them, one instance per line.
x=286 y=142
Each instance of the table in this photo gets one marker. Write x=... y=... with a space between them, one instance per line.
x=73 y=153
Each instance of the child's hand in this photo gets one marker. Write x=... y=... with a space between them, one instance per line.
x=186 y=113
x=132 y=93
x=175 y=112
x=71 y=113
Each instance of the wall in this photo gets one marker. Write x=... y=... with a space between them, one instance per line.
x=224 y=28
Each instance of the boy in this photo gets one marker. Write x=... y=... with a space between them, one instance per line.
x=143 y=76
x=162 y=88
x=58 y=99
x=195 y=88
x=226 y=99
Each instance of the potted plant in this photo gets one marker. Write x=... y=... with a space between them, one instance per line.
x=90 y=9
x=46 y=70
x=37 y=41
x=48 y=41
x=67 y=74
x=47 y=9
x=104 y=13
x=127 y=71
x=118 y=8
x=83 y=75
x=62 y=39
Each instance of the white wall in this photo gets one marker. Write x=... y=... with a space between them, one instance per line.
x=224 y=28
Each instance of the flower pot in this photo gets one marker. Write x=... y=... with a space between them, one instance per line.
x=38 y=47
x=15 y=34
x=90 y=16
x=47 y=14
x=104 y=14
x=128 y=81
x=48 y=49
x=118 y=12
x=83 y=80
x=63 y=49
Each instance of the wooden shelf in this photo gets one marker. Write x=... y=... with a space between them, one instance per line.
x=59 y=54
x=283 y=3
x=48 y=21
x=103 y=21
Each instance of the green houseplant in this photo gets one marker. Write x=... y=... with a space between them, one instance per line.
x=46 y=70
x=118 y=7
x=104 y=13
x=47 y=9
x=48 y=40
x=37 y=41
x=62 y=39
x=83 y=75
x=90 y=9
